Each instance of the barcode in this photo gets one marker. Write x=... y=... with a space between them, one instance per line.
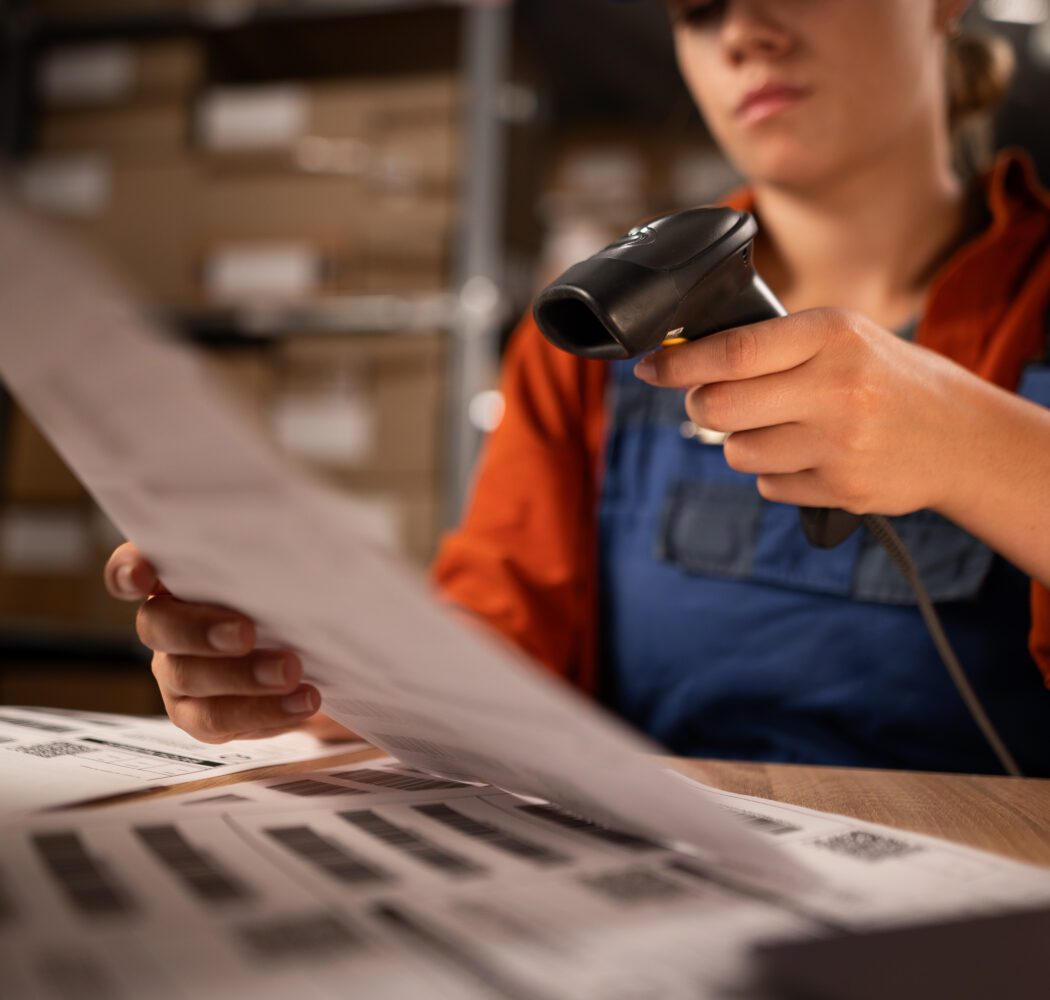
x=59 y=748
x=229 y=797
x=397 y=780
x=196 y=869
x=467 y=959
x=411 y=843
x=866 y=846
x=314 y=936
x=7 y=905
x=634 y=885
x=765 y=823
x=148 y=752
x=501 y=840
x=76 y=976
x=84 y=881
x=330 y=857
x=308 y=786
x=618 y=837
x=44 y=727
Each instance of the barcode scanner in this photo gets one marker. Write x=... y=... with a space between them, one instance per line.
x=683 y=277
x=678 y=278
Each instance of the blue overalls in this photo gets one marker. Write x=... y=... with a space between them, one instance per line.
x=725 y=634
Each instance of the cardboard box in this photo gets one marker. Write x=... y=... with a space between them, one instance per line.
x=111 y=73
x=358 y=403
x=141 y=218
x=52 y=558
x=399 y=135
x=348 y=238
x=33 y=473
x=146 y=132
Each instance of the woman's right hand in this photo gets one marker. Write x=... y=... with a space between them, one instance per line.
x=215 y=684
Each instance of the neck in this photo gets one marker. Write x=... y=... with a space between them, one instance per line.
x=871 y=240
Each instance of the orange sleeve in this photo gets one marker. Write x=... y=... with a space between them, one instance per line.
x=524 y=556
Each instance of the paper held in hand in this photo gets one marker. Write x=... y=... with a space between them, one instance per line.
x=226 y=521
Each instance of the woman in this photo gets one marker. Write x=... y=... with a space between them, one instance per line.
x=643 y=564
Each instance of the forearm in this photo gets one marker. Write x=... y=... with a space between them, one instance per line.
x=999 y=483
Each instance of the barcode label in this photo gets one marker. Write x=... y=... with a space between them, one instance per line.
x=199 y=872
x=313 y=936
x=76 y=976
x=44 y=727
x=60 y=748
x=411 y=843
x=767 y=824
x=618 y=837
x=495 y=837
x=85 y=882
x=229 y=798
x=332 y=858
x=866 y=846
x=7 y=905
x=469 y=960
x=634 y=885
x=397 y=780
x=307 y=787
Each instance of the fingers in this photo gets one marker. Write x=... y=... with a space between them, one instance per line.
x=168 y=625
x=217 y=720
x=128 y=574
x=742 y=353
x=264 y=672
x=328 y=730
x=781 y=450
x=781 y=398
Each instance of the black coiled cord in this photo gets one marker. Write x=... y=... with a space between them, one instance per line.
x=882 y=531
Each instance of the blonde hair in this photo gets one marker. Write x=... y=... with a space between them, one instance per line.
x=980 y=69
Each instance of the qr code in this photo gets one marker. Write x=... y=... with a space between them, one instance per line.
x=867 y=846
x=59 y=748
x=635 y=885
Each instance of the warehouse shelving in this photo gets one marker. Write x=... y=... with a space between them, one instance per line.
x=472 y=311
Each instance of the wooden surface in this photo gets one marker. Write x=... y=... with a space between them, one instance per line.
x=1010 y=816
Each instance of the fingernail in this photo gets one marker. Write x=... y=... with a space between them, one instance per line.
x=227 y=637
x=271 y=672
x=125 y=580
x=301 y=702
x=645 y=369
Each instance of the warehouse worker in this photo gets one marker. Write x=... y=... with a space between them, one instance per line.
x=668 y=575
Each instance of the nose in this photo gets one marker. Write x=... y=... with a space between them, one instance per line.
x=751 y=29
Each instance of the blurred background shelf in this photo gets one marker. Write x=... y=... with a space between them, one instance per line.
x=345 y=206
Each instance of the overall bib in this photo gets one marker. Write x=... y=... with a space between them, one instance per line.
x=725 y=634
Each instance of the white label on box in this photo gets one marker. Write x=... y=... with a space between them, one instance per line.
x=234 y=119
x=45 y=541
x=268 y=272
x=79 y=75
x=334 y=425
x=78 y=186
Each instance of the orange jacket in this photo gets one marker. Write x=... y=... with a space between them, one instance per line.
x=525 y=555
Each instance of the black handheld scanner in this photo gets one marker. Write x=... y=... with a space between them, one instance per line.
x=680 y=277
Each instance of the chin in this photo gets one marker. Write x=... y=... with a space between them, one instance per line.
x=786 y=163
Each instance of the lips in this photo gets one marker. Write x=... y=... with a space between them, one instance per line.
x=768 y=100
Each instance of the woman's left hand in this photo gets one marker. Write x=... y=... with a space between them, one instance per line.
x=828 y=409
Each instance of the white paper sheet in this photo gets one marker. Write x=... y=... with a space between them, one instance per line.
x=384 y=884
x=51 y=758
x=225 y=521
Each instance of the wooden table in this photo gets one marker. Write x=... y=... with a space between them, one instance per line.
x=1010 y=816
